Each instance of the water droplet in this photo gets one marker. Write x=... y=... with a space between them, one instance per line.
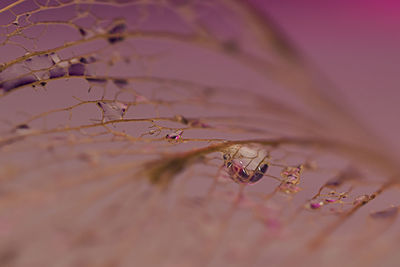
x=361 y=200
x=117 y=29
x=12 y=84
x=314 y=205
x=175 y=137
x=120 y=82
x=245 y=164
x=55 y=58
x=77 y=69
x=113 y=110
x=96 y=80
x=82 y=32
x=57 y=72
x=22 y=129
x=384 y=214
x=289 y=188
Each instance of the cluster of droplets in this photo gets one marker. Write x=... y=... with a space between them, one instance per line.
x=40 y=69
x=291 y=179
x=248 y=164
x=336 y=193
x=330 y=198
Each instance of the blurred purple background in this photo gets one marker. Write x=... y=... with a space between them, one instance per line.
x=355 y=44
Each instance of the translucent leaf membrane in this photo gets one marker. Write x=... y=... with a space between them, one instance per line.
x=178 y=133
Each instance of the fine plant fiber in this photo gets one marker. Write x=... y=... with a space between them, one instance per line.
x=180 y=133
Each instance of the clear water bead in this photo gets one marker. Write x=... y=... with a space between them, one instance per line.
x=245 y=164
